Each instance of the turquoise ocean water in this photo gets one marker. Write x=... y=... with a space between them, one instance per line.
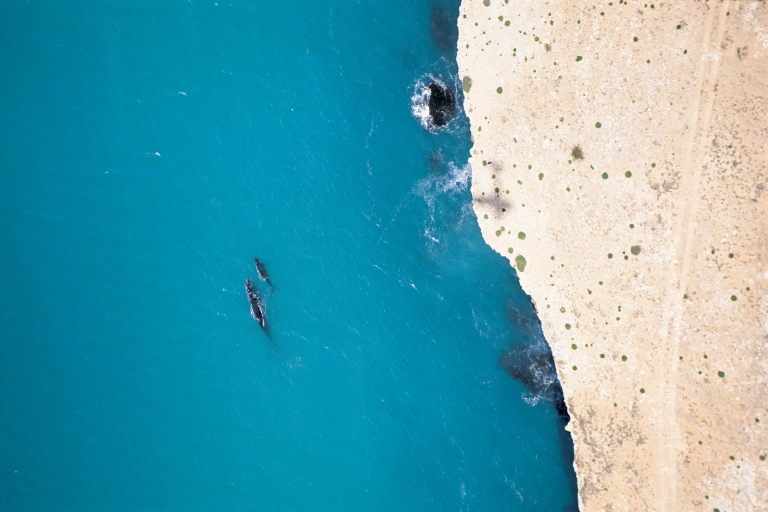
x=148 y=151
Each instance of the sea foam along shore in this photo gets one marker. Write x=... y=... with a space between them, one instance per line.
x=619 y=162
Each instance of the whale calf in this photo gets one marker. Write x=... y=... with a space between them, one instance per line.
x=257 y=306
x=262 y=271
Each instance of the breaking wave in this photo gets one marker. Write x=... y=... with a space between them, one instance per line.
x=454 y=181
x=420 y=106
x=442 y=194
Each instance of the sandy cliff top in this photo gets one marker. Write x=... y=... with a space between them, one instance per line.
x=621 y=162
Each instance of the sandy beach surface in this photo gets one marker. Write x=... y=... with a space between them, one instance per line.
x=620 y=163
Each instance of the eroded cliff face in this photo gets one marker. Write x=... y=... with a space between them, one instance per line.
x=620 y=163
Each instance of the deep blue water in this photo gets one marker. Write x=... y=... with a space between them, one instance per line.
x=148 y=151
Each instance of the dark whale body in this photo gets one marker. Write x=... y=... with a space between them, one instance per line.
x=257 y=306
x=262 y=271
x=442 y=103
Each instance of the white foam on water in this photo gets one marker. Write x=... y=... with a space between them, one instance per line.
x=420 y=106
x=454 y=181
x=544 y=375
x=420 y=102
x=435 y=186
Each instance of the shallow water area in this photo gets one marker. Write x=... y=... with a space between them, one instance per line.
x=149 y=153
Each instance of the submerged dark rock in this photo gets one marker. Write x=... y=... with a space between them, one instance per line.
x=522 y=319
x=443 y=27
x=435 y=161
x=442 y=103
x=536 y=370
x=560 y=407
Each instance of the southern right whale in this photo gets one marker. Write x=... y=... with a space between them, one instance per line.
x=257 y=306
x=262 y=271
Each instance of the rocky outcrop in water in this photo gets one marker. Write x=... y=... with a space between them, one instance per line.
x=442 y=103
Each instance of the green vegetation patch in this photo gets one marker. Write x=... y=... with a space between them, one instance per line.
x=499 y=90
x=721 y=374
x=521 y=235
x=487 y=3
x=598 y=124
x=520 y=261
x=568 y=326
x=628 y=174
x=605 y=175
x=635 y=250
x=466 y=83
x=577 y=152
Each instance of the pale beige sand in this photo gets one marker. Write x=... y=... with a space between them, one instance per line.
x=640 y=340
